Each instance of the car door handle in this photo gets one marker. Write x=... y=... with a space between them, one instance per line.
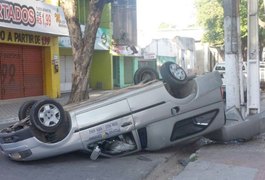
x=126 y=124
x=175 y=110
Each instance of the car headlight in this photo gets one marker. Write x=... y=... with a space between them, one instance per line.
x=15 y=156
x=20 y=155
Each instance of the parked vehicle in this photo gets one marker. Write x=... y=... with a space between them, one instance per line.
x=147 y=116
x=262 y=74
x=220 y=67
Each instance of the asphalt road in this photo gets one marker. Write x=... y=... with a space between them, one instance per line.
x=78 y=166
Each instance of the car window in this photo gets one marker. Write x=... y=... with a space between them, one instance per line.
x=220 y=68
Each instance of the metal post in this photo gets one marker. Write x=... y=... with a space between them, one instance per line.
x=232 y=35
x=253 y=86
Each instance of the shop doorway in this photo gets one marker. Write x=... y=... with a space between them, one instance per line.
x=21 y=71
x=66 y=70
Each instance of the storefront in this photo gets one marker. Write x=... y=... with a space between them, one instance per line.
x=125 y=63
x=101 y=70
x=29 y=50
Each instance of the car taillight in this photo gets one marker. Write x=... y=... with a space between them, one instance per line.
x=193 y=125
x=205 y=119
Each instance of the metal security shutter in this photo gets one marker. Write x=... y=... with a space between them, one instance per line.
x=11 y=72
x=21 y=73
x=33 y=71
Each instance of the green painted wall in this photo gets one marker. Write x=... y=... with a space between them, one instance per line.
x=121 y=70
x=124 y=69
x=116 y=71
x=106 y=17
x=65 y=51
x=129 y=70
x=101 y=75
x=130 y=66
x=135 y=65
x=82 y=13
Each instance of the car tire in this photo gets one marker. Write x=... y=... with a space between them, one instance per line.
x=145 y=74
x=47 y=115
x=173 y=74
x=24 y=110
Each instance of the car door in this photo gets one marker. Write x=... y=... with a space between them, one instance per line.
x=177 y=120
x=103 y=120
x=107 y=126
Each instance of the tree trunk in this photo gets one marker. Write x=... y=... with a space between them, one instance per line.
x=82 y=45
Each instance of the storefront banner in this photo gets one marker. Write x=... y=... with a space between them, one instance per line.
x=22 y=37
x=118 y=50
x=103 y=40
x=34 y=16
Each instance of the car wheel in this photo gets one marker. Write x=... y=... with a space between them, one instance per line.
x=47 y=115
x=24 y=110
x=173 y=74
x=145 y=74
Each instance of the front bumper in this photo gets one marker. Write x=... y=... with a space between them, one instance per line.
x=16 y=136
x=23 y=145
x=12 y=144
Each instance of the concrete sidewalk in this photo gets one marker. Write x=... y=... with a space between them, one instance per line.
x=229 y=161
x=233 y=161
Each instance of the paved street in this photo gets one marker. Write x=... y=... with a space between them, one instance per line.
x=229 y=161
x=78 y=166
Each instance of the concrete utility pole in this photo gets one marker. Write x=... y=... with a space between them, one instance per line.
x=232 y=52
x=253 y=86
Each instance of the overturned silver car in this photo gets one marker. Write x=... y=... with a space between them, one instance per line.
x=147 y=116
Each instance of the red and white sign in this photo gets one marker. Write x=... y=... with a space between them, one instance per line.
x=34 y=16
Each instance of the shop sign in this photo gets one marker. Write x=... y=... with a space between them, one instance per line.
x=103 y=40
x=34 y=16
x=24 y=38
x=119 y=50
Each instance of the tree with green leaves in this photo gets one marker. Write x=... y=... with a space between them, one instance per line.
x=210 y=15
x=82 y=43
